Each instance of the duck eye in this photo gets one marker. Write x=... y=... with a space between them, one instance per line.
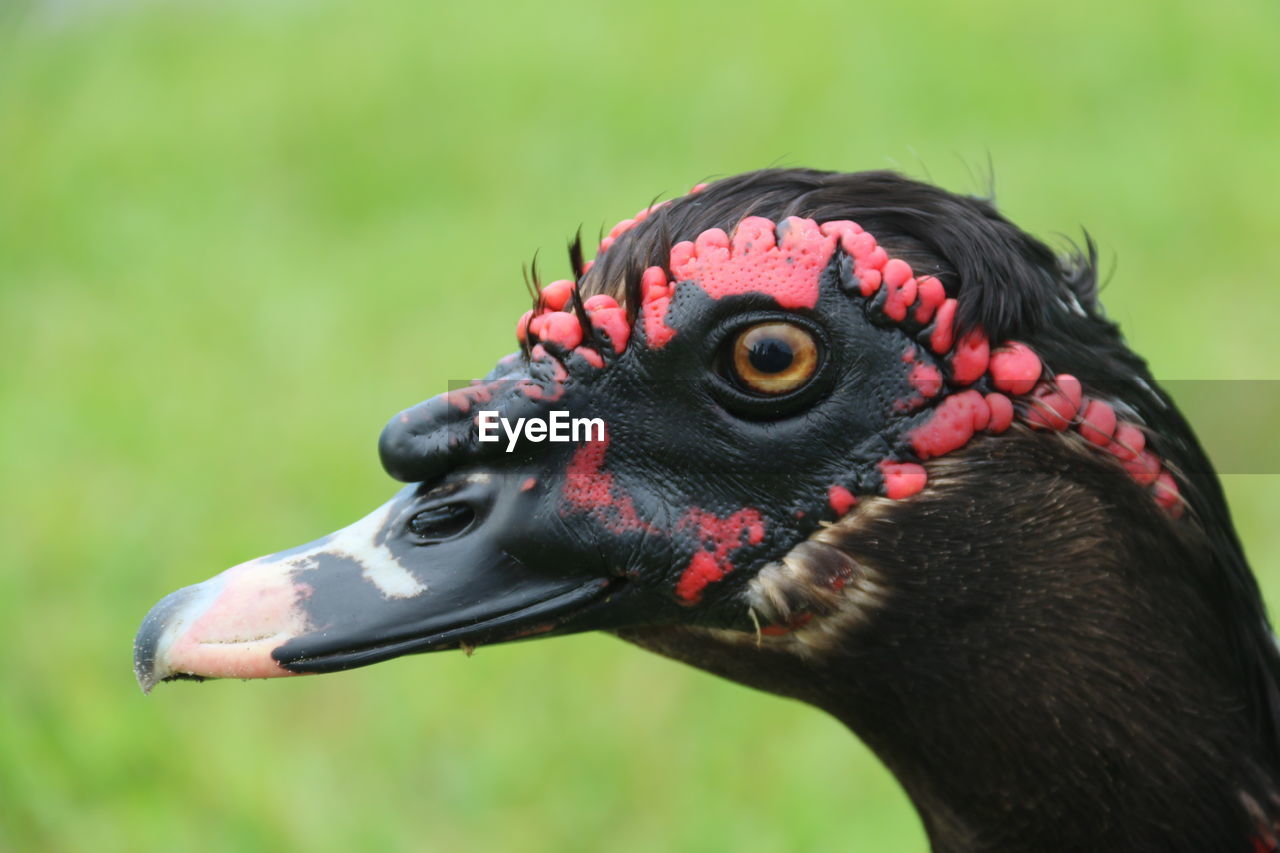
x=773 y=358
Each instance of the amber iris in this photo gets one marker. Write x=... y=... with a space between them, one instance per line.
x=774 y=358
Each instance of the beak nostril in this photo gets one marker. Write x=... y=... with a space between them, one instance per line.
x=438 y=523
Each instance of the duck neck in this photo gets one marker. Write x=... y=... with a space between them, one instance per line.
x=1039 y=675
x=1005 y=747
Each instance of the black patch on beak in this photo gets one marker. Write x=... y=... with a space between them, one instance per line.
x=452 y=578
x=444 y=631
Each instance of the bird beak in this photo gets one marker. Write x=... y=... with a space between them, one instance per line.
x=377 y=589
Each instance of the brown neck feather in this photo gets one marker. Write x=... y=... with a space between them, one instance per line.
x=1039 y=667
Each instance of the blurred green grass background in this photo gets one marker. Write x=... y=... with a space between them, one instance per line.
x=236 y=237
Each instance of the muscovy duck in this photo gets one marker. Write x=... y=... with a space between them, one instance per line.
x=847 y=438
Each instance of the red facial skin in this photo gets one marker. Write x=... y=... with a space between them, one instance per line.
x=589 y=488
x=723 y=536
x=1054 y=405
x=841 y=499
x=926 y=379
x=1001 y=413
x=656 y=293
x=1098 y=423
x=954 y=422
x=942 y=336
x=562 y=329
x=556 y=294
x=930 y=295
x=785 y=265
x=1015 y=368
x=970 y=359
x=901 y=289
x=903 y=479
x=1127 y=443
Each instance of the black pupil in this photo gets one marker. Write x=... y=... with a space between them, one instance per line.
x=771 y=355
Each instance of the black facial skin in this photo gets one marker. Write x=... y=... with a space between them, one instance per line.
x=1051 y=662
x=667 y=466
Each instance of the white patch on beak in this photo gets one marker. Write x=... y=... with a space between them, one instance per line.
x=394 y=581
x=378 y=565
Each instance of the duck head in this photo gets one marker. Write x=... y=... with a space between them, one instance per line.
x=661 y=439
x=847 y=438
